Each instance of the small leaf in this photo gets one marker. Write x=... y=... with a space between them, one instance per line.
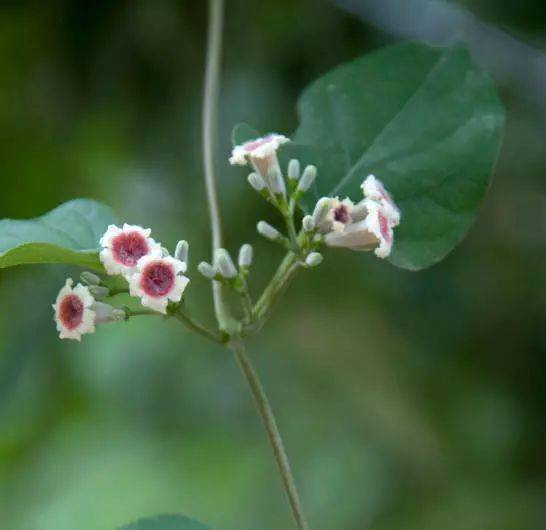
x=242 y=132
x=425 y=120
x=165 y=522
x=68 y=234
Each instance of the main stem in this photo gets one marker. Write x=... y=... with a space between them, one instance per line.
x=268 y=419
x=210 y=110
x=225 y=321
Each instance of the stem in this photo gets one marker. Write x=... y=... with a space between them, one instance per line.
x=286 y=270
x=273 y=434
x=142 y=312
x=210 y=109
x=292 y=234
x=246 y=301
x=192 y=324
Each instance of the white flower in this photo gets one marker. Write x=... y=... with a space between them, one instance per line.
x=261 y=153
x=158 y=279
x=373 y=189
x=375 y=230
x=339 y=214
x=73 y=311
x=123 y=247
x=259 y=148
x=365 y=225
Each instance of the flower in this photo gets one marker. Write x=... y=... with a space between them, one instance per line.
x=73 y=311
x=157 y=280
x=332 y=214
x=339 y=214
x=259 y=148
x=261 y=153
x=369 y=223
x=373 y=189
x=123 y=247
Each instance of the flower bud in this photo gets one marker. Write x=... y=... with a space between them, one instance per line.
x=308 y=224
x=245 y=256
x=321 y=211
x=294 y=169
x=313 y=259
x=276 y=181
x=207 y=270
x=89 y=278
x=224 y=264
x=307 y=179
x=256 y=181
x=99 y=291
x=181 y=252
x=106 y=313
x=268 y=231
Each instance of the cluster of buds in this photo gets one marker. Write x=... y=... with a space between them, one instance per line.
x=368 y=224
x=150 y=273
x=224 y=270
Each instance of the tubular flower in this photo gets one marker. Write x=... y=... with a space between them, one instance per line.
x=261 y=153
x=158 y=280
x=123 y=247
x=373 y=189
x=74 y=315
x=365 y=225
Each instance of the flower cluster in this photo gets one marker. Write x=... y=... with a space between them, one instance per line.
x=150 y=273
x=368 y=224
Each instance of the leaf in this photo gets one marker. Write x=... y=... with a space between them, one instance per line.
x=424 y=120
x=165 y=522
x=68 y=234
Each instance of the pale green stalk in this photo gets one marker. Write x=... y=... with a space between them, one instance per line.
x=210 y=111
x=273 y=434
x=225 y=321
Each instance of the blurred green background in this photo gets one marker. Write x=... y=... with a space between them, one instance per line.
x=408 y=401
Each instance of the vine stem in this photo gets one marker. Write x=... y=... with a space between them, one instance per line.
x=273 y=434
x=209 y=123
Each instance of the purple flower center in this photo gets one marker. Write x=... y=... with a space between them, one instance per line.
x=341 y=214
x=129 y=247
x=71 y=311
x=157 y=279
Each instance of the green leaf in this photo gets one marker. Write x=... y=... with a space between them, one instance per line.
x=424 y=120
x=165 y=522
x=68 y=234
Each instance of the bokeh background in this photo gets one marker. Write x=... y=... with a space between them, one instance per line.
x=408 y=401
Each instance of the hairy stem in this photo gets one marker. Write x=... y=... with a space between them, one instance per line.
x=209 y=118
x=273 y=434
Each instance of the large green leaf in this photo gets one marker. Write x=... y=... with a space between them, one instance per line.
x=425 y=120
x=68 y=234
x=165 y=522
